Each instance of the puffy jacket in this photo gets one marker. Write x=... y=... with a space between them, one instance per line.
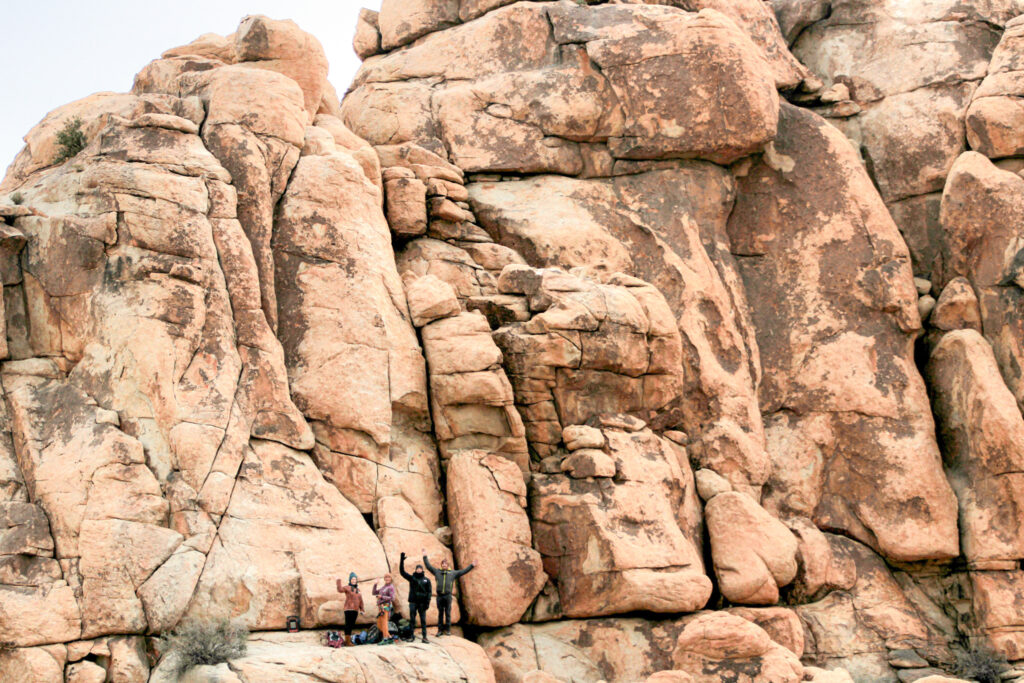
x=385 y=594
x=419 y=586
x=353 y=599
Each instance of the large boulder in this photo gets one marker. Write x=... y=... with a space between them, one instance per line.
x=754 y=554
x=621 y=650
x=995 y=117
x=490 y=527
x=721 y=646
x=518 y=105
x=836 y=315
x=983 y=436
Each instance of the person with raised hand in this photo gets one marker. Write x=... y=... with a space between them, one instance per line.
x=445 y=578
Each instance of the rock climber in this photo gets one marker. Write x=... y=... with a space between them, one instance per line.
x=419 y=595
x=385 y=604
x=353 y=604
x=445 y=577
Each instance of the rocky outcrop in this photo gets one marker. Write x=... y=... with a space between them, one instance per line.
x=486 y=498
x=982 y=218
x=303 y=658
x=720 y=646
x=984 y=433
x=596 y=297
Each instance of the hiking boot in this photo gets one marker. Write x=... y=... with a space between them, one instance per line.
x=424 y=639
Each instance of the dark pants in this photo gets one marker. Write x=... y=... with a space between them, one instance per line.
x=350 y=621
x=444 y=612
x=419 y=608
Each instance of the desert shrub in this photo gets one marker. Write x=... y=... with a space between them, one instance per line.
x=17 y=198
x=198 y=643
x=70 y=140
x=980 y=664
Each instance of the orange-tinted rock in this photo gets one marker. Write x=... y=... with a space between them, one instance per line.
x=995 y=116
x=720 y=645
x=626 y=544
x=753 y=553
x=957 y=307
x=832 y=309
x=982 y=215
x=486 y=500
x=758 y=20
x=568 y=223
x=983 y=439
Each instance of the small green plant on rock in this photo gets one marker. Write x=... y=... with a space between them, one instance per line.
x=981 y=664
x=198 y=643
x=17 y=198
x=70 y=140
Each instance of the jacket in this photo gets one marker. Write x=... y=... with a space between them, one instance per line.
x=446 y=578
x=353 y=598
x=385 y=594
x=419 y=586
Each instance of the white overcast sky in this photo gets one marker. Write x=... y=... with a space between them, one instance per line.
x=57 y=51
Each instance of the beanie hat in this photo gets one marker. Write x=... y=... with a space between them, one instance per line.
x=352 y=575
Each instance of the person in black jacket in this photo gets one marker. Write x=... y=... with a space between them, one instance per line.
x=446 y=578
x=419 y=595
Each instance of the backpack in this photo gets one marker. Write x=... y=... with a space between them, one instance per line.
x=334 y=639
x=372 y=635
x=403 y=629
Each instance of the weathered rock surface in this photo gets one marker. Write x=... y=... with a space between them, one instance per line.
x=983 y=433
x=994 y=118
x=303 y=658
x=558 y=287
x=490 y=527
x=624 y=544
x=721 y=646
x=827 y=326
x=982 y=224
x=754 y=554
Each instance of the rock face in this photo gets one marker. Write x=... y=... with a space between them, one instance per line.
x=842 y=322
x=704 y=353
x=487 y=498
x=909 y=122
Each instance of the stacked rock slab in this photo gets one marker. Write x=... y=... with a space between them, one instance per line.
x=622 y=538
